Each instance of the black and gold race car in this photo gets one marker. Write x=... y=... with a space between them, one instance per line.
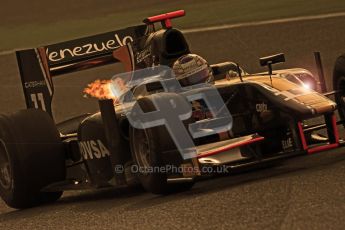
x=239 y=120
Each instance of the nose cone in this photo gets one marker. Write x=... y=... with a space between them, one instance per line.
x=295 y=98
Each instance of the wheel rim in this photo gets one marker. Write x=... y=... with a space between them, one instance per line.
x=5 y=168
x=145 y=153
x=142 y=150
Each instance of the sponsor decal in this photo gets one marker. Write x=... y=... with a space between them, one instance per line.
x=261 y=107
x=287 y=143
x=200 y=111
x=34 y=84
x=87 y=49
x=93 y=149
x=93 y=46
x=142 y=55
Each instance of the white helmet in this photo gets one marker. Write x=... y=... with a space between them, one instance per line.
x=192 y=69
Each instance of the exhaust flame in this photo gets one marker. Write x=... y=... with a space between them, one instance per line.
x=100 y=89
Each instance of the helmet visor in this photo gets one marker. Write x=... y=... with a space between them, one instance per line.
x=195 y=78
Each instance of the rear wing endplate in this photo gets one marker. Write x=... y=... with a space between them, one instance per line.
x=38 y=66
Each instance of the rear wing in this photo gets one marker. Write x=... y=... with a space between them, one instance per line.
x=38 y=66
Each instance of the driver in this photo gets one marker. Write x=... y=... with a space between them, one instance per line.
x=191 y=69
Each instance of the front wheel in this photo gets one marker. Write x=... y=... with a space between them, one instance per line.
x=148 y=147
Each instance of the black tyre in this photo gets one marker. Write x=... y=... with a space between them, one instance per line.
x=31 y=157
x=339 y=84
x=147 y=147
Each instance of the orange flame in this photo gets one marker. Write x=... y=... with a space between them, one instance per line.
x=100 y=89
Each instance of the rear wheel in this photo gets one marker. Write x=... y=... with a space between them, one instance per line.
x=148 y=147
x=31 y=157
x=339 y=84
x=5 y=168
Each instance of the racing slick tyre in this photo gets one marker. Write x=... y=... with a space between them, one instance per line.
x=339 y=84
x=147 y=146
x=31 y=157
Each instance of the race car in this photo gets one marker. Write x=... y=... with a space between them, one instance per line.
x=237 y=120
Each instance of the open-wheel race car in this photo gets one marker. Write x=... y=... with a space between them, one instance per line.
x=155 y=119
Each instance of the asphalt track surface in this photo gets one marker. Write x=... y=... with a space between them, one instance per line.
x=301 y=193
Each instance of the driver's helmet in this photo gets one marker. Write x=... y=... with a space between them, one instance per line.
x=191 y=69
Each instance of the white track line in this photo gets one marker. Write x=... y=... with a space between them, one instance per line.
x=7 y=52
x=266 y=22
x=237 y=25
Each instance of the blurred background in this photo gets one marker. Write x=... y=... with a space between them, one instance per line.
x=37 y=22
